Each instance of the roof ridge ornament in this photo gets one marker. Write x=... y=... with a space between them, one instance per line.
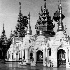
x=45 y=4
x=20 y=7
x=3 y=26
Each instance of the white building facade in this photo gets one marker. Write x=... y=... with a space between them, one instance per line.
x=51 y=51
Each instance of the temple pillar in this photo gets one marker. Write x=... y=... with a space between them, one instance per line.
x=14 y=55
x=10 y=56
x=48 y=64
x=18 y=55
x=22 y=54
x=26 y=55
x=67 y=58
x=44 y=56
x=46 y=53
x=35 y=56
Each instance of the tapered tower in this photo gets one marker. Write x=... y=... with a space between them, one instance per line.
x=3 y=37
x=60 y=23
x=3 y=33
x=58 y=17
x=44 y=23
x=22 y=23
x=29 y=31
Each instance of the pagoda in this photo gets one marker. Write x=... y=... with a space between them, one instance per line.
x=22 y=23
x=3 y=43
x=44 y=23
x=3 y=37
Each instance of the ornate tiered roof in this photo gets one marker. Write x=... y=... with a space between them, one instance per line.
x=44 y=22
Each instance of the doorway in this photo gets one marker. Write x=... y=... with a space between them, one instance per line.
x=39 y=56
x=61 y=59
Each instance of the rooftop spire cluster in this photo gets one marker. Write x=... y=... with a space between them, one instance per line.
x=58 y=17
x=44 y=22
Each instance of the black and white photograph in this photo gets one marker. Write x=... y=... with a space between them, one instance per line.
x=34 y=34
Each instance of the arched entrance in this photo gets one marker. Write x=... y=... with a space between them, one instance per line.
x=39 y=56
x=61 y=60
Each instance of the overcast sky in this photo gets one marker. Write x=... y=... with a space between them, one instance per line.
x=9 y=10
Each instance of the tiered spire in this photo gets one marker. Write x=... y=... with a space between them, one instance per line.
x=29 y=31
x=3 y=32
x=20 y=14
x=11 y=35
x=45 y=4
x=3 y=36
x=58 y=17
x=20 y=7
x=20 y=30
x=44 y=23
x=60 y=24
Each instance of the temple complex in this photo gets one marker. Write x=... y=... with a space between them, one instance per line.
x=45 y=47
